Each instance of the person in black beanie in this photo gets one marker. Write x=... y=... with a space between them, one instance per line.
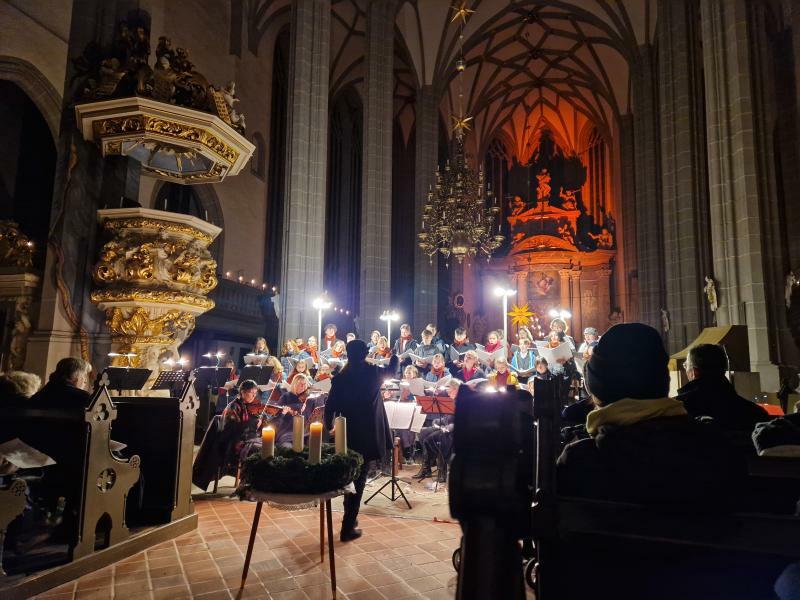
x=355 y=395
x=644 y=447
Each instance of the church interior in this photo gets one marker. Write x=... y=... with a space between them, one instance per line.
x=572 y=219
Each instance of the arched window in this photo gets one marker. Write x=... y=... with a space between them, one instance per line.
x=258 y=162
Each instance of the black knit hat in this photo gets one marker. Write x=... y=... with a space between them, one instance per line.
x=629 y=361
x=357 y=351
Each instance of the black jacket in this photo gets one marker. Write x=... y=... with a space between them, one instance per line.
x=355 y=395
x=664 y=461
x=716 y=397
x=60 y=394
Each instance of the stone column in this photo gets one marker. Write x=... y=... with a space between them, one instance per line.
x=733 y=177
x=306 y=167
x=649 y=229
x=376 y=205
x=576 y=307
x=564 y=289
x=626 y=229
x=427 y=146
x=522 y=288
x=683 y=174
x=603 y=295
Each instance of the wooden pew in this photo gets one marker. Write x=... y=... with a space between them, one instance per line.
x=94 y=481
x=161 y=431
x=608 y=527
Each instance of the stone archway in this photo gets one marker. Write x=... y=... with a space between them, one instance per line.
x=209 y=202
x=37 y=87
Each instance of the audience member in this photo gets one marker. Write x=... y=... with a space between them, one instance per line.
x=644 y=447
x=18 y=385
x=66 y=387
x=710 y=394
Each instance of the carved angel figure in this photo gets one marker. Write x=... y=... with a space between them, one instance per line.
x=711 y=293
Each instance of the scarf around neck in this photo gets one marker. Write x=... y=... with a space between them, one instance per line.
x=629 y=411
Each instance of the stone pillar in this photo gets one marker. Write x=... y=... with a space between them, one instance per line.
x=683 y=174
x=649 y=229
x=627 y=219
x=427 y=147
x=603 y=293
x=733 y=177
x=376 y=205
x=306 y=167
x=577 y=304
x=522 y=288
x=564 y=289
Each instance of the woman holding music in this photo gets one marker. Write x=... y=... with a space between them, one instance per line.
x=294 y=402
x=438 y=369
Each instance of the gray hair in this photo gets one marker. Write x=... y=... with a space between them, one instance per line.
x=27 y=384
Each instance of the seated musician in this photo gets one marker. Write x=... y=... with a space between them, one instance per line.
x=438 y=369
x=381 y=348
x=710 y=394
x=644 y=446
x=294 y=402
x=437 y=440
x=330 y=336
x=470 y=369
x=222 y=392
x=373 y=339
x=502 y=376
x=66 y=387
x=240 y=419
x=559 y=325
x=425 y=349
x=260 y=347
x=523 y=357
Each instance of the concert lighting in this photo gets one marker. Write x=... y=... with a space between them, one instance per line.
x=504 y=293
x=389 y=316
x=321 y=303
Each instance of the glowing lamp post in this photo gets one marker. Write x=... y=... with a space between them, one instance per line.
x=504 y=293
x=321 y=304
x=389 y=316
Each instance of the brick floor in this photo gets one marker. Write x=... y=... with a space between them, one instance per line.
x=397 y=558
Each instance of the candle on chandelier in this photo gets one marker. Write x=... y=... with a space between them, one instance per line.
x=340 y=434
x=315 y=443
x=267 y=442
x=298 y=429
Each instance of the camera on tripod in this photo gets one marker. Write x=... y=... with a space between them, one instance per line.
x=494 y=483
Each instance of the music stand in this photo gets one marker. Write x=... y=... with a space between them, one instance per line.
x=437 y=405
x=258 y=373
x=404 y=422
x=170 y=380
x=123 y=378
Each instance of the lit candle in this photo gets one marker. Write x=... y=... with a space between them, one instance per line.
x=315 y=443
x=340 y=434
x=267 y=442
x=298 y=429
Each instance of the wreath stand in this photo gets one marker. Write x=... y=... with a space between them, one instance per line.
x=297 y=502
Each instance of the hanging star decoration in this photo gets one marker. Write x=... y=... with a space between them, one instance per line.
x=461 y=124
x=521 y=315
x=461 y=12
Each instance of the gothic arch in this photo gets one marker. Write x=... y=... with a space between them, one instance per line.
x=209 y=202
x=36 y=86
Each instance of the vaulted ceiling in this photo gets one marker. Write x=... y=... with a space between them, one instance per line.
x=529 y=63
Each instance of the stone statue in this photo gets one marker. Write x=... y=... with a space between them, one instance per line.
x=791 y=281
x=711 y=293
x=543 y=189
x=664 y=320
x=569 y=202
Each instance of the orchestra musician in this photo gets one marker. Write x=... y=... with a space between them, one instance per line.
x=240 y=418
x=296 y=401
x=381 y=348
x=222 y=393
x=373 y=339
x=437 y=440
x=260 y=346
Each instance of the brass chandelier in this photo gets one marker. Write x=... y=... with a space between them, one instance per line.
x=456 y=220
x=460 y=217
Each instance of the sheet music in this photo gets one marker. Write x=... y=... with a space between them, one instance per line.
x=309 y=362
x=323 y=386
x=416 y=386
x=525 y=373
x=418 y=421
x=379 y=362
x=473 y=383
x=23 y=456
x=455 y=355
x=561 y=352
x=416 y=358
x=253 y=358
x=487 y=358
x=400 y=414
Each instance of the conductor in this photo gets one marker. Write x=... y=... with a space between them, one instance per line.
x=355 y=395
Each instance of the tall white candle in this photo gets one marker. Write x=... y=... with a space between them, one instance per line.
x=315 y=443
x=267 y=442
x=340 y=434
x=298 y=429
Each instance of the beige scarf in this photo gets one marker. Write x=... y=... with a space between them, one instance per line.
x=629 y=411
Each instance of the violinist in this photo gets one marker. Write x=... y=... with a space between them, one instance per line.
x=373 y=340
x=240 y=418
x=294 y=402
x=437 y=440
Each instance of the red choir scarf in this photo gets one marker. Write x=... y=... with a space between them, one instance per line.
x=501 y=379
x=385 y=353
x=439 y=373
x=403 y=341
x=493 y=347
x=328 y=342
x=468 y=374
x=336 y=354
